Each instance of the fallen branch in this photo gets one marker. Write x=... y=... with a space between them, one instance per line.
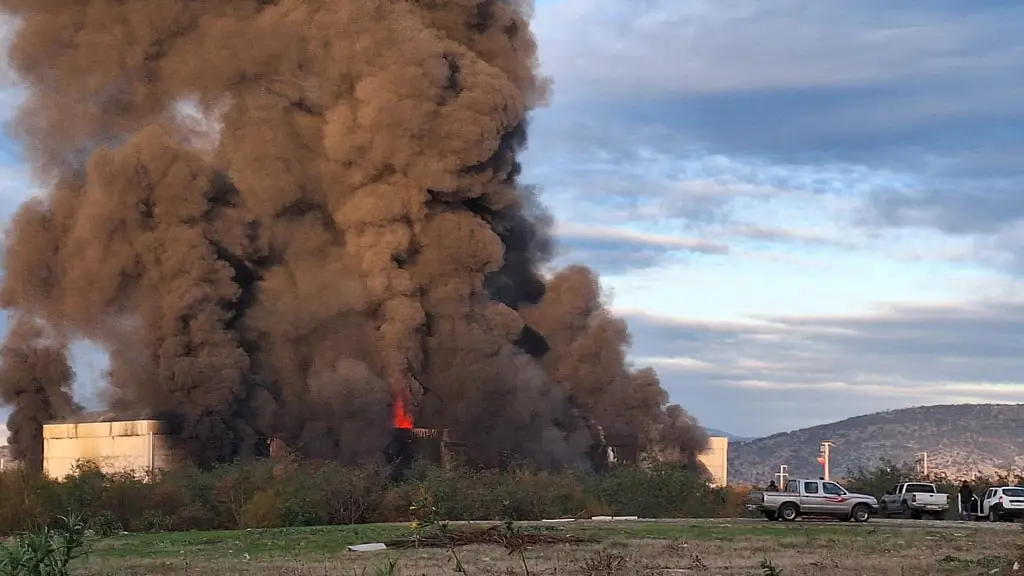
x=495 y=535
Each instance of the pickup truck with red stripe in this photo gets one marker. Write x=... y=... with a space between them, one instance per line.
x=813 y=498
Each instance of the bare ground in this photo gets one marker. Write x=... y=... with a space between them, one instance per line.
x=638 y=548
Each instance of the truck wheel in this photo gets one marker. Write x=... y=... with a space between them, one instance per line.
x=860 y=513
x=788 y=512
x=905 y=511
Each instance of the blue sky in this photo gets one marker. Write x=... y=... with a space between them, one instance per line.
x=806 y=210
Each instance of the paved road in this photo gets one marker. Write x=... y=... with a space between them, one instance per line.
x=875 y=521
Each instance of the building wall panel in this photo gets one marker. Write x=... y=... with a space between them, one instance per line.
x=136 y=447
x=716 y=459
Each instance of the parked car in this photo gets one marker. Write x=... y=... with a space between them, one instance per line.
x=1002 y=503
x=802 y=497
x=914 y=500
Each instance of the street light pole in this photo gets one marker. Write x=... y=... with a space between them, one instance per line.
x=823 y=458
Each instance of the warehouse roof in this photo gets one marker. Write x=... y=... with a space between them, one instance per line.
x=103 y=416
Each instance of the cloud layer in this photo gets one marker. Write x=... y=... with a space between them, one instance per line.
x=779 y=373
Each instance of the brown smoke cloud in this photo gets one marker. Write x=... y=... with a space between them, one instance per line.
x=340 y=227
x=35 y=380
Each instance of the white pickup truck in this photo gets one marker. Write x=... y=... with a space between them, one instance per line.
x=914 y=500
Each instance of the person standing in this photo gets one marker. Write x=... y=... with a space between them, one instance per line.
x=966 y=496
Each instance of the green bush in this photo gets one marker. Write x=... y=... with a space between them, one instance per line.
x=665 y=491
x=289 y=492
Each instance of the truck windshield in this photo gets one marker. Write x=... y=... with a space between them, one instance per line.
x=919 y=488
x=1013 y=492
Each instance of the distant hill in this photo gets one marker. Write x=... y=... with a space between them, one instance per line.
x=960 y=439
x=731 y=437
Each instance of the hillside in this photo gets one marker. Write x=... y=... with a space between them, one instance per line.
x=731 y=437
x=959 y=439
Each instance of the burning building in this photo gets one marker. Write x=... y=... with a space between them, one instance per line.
x=409 y=443
x=280 y=218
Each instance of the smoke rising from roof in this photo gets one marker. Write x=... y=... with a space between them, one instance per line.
x=280 y=216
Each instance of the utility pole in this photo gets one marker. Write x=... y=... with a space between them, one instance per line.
x=921 y=459
x=823 y=457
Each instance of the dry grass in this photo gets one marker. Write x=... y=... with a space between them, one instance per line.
x=797 y=550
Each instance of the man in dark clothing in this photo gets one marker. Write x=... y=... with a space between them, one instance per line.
x=966 y=496
x=772 y=487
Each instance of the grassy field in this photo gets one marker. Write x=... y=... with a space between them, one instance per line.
x=628 y=548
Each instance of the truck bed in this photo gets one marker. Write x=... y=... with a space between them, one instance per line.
x=928 y=501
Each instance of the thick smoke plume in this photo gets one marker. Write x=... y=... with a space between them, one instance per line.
x=35 y=379
x=281 y=217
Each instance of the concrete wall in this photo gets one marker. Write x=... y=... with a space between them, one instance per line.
x=716 y=459
x=136 y=446
x=7 y=462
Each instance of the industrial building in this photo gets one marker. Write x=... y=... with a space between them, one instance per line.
x=7 y=461
x=716 y=459
x=143 y=446
x=135 y=446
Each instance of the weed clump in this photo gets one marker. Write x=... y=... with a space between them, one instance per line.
x=45 y=551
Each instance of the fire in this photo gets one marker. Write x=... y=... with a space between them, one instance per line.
x=400 y=418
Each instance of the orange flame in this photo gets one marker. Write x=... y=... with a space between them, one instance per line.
x=400 y=418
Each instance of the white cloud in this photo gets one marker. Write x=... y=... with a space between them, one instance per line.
x=831 y=367
x=571 y=231
x=702 y=46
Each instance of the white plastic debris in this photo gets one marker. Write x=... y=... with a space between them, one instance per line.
x=558 y=520
x=603 y=518
x=368 y=547
x=624 y=517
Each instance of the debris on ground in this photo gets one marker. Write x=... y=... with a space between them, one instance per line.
x=371 y=547
x=497 y=535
